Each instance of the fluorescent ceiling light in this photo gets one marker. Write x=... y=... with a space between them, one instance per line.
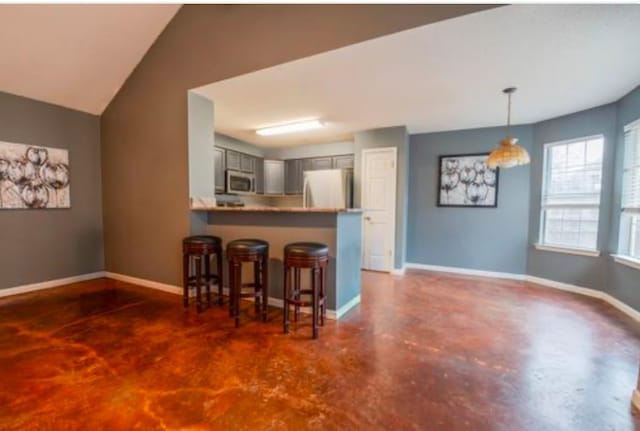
x=290 y=128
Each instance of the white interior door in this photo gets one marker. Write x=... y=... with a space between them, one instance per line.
x=378 y=187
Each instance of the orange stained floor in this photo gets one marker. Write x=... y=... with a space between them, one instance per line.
x=424 y=351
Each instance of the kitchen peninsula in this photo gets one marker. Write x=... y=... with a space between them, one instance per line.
x=340 y=229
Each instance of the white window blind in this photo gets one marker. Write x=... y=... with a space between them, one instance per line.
x=571 y=193
x=630 y=220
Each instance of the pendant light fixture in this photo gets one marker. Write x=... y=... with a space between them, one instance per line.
x=509 y=153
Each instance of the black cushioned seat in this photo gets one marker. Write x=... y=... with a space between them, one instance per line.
x=304 y=249
x=202 y=239
x=248 y=246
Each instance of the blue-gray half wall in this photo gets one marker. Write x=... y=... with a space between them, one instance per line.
x=502 y=239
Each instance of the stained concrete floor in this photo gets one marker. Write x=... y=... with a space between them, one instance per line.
x=425 y=351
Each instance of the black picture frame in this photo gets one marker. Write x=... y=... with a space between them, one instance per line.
x=466 y=202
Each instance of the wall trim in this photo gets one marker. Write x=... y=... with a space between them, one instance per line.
x=614 y=302
x=398 y=271
x=177 y=290
x=465 y=271
x=17 y=290
x=635 y=399
x=346 y=307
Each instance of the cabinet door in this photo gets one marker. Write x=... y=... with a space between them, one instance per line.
x=233 y=160
x=343 y=162
x=247 y=163
x=259 y=173
x=273 y=177
x=293 y=177
x=219 y=169
x=321 y=163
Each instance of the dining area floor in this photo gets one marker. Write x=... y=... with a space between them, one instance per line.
x=423 y=351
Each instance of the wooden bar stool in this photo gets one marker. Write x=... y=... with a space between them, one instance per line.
x=197 y=252
x=314 y=256
x=239 y=252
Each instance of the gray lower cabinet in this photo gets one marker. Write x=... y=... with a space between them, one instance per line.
x=219 y=163
x=259 y=173
x=342 y=162
x=233 y=160
x=273 y=177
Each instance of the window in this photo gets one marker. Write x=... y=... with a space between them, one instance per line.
x=630 y=219
x=571 y=193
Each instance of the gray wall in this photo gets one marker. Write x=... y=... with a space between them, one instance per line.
x=144 y=128
x=491 y=239
x=311 y=150
x=379 y=138
x=200 y=141
x=46 y=244
x=229 y=143
x=624 y=282
x=580 y=270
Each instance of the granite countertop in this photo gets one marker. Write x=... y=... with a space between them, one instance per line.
x=277 y=209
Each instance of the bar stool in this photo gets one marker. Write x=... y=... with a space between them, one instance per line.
x=239 y=252
x=196 y=251
x=314 y=256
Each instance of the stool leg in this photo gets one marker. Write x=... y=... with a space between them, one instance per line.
x=185 y=279
x=198 y=265
x=220 y=271
x=265 y=287
x=323 y=295
x=257 y=287
x=232 y=283
x=296 y=291
x=207 y=277
x=285 y=314
x=237 y=288
x=314 y=301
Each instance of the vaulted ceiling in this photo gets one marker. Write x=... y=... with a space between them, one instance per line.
x=444 y=76
x=77 y=56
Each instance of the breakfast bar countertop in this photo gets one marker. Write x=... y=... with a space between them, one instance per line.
x=276 y=209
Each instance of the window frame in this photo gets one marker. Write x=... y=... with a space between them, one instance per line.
x=544 y=246
x=626 y=219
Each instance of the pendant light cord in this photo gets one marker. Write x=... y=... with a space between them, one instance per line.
x=509 y=115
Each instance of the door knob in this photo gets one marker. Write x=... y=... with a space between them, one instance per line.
x=367 y=218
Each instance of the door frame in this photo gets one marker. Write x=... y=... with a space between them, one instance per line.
x=394 y=152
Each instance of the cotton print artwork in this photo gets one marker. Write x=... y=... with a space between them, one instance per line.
x=33 y=177
x=467 y=181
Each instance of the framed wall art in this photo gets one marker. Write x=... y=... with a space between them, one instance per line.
x=33 y=177
x=465 y=180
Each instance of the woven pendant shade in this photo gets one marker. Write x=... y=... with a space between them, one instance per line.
x=509 y=153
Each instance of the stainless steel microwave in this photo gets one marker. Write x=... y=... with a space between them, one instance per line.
x=240 y=183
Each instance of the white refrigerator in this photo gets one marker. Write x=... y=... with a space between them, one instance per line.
x=328 y=188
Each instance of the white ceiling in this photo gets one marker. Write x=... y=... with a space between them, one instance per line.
x=444 y=76
x=76 y=56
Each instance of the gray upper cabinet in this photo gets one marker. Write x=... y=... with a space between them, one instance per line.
x=247 y=163
x=343 y=162
x=293 y=177
x=259 y=173
x=273 y=177
x=219 y=163
x=233 y=160
x=321 y=163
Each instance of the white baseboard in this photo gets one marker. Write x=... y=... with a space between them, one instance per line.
x=145 y=283
x=614 y=302
x=50 y=283
x=635 y=399
x=465 y=271
x=345 y=308
x=177 y=290
x=398 y=271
